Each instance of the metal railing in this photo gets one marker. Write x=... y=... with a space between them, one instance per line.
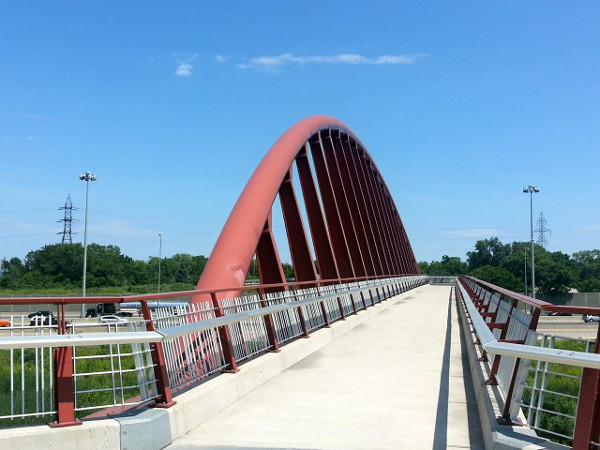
x=78 y=368
x=530 y=369
x=104 y=373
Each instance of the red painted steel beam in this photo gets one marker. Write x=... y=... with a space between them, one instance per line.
x=302 y=259
x=318 y=228
x=364 y=175
x=332 y=214
x=363 y=200
x=587 y=425
x=332 y=147
x=267 y=257
x=372 y=263
x=377 y=207
x=342 y=156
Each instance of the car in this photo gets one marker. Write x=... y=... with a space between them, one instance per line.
x=111 y=318
x=559 y=313
x=4 y=323
x=590 y=318
x=43 y=320
x=40 y=313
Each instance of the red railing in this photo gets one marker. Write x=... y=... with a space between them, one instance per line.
x=587 y=425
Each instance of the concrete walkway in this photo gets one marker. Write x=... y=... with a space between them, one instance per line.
x=394 y=382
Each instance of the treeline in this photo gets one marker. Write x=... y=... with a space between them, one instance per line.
x=60 y=266
x=505 y=265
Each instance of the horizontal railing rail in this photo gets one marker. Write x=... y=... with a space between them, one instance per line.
x=78 y=340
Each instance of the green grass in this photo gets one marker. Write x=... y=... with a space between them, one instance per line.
x=75 y=291
x=24 y=400
x=557 y=403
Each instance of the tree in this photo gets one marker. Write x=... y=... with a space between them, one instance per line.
x=488 y=252
x=58 y=263
x=11 y=272
x=586 y=265
x=450 y=265
x=288 y=270
x=554 y=274
x=106 y=265
x=184 y=267
x=498 y=276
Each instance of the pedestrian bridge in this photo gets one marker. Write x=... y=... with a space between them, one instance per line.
x=410 y=362
x=360 y=350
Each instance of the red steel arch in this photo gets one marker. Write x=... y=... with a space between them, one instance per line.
x=355 y=226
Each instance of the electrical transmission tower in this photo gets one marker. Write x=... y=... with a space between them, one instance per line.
x=541 y=230
x=67 y=219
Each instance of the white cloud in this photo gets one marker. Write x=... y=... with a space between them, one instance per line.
x=221 y=59
x=184 y=70
x=271 y=62
x=185 y=66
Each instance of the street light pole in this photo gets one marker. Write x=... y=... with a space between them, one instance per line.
x=525 y=270
x=159 y=257
x=531 y=190
x=87 y=177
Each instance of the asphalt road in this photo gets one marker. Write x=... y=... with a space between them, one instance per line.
x=568 y=326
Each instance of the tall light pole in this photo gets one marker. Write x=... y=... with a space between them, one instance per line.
x=525 y=270
x=159 y=257
x=531 y=190
x=87 y=177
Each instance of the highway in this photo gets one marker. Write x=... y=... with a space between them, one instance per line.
x=567 y=326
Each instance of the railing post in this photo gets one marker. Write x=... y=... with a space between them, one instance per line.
x=225 y=337
x=339 y=302
x=271 y=335
x=587 y=425
x=63 y=379
x=323 y=309
x=353 y=304
x=65 y=393
x=305 y=332
x=364 y=302
x=163 y=384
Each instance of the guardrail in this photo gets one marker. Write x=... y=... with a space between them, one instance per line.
x=67 y=371
x=525 y=361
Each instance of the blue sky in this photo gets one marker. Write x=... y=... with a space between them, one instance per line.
x=173 y=105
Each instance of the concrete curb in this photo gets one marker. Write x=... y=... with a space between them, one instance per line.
x=489 y=403
x=157 y=428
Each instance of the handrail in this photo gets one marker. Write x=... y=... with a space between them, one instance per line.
x=75 y=340
x=194 y=292
x=493 y=346
x=541 y=304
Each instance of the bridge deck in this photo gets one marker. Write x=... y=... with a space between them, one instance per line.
x=396 y=381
